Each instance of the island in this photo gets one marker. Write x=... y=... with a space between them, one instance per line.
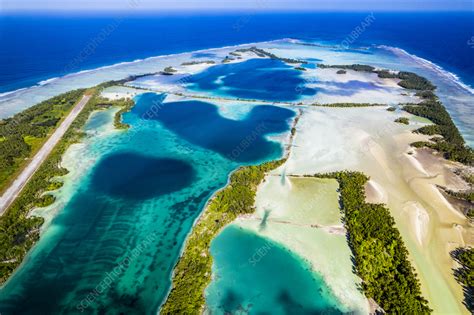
x=356 y=177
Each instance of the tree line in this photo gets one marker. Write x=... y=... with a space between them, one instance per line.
x=19 y=230
x=381 y=258
x=25 y=132
x=193 y=271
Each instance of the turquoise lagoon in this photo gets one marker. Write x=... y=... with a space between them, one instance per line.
x=112 y=248
x=254 y=275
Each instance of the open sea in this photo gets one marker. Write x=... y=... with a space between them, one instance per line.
x=41 y=47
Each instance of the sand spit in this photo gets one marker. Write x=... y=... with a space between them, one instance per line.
x=303 y=215
x=119 y=92
x=367 y=140
x=375 y=192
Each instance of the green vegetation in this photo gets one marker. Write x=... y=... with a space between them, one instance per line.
x=381 y=259
x=24 y=133
x=300 y=68
x=429 y=130
x=408 y=80
x=466 y=195
x=193 y=272
x=295 y=122
x=387 y=74
x=391 y=109
x=465 y=274
x=463 y=195
x=470 y=214
x=125 y=105
x=420 y=144
x=169 y=70
x=402 y=120
x=469 y=178
x=341 y=71
x=412 y=81
x=355 y=67
x=265 y=54
x=190 y=63
x=19 y=230
x=427 y=95
x=452 y=146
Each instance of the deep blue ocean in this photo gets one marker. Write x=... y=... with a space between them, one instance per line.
x=40 y=47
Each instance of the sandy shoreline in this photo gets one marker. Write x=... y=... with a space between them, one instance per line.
x=303 y=215
x=371 y=143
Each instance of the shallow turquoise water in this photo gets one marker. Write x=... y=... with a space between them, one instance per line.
x=112 y=248
x=254 y=275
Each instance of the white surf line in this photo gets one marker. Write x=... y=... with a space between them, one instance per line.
x=430 y=65
x=16 y=187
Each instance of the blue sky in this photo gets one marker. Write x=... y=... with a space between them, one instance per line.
x=260 y=5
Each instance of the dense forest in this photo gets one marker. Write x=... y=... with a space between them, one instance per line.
x=355 y=67
x=125 y=106
x=412 y=81
x=19 y=230
x=24 y=133
x=465 y=274
x=381 y=259
x=452 y=144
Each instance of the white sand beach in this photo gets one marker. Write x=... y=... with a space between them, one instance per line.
x=367 y=140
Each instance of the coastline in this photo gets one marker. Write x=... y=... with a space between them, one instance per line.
x=425 y=62
x=378 y=152
x=171 y=303
x=396 y=50
x=38 y=187
x=130 y=62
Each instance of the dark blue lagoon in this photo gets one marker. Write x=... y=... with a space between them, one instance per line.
x=201 y=124
x=263 y=79
x=134 y=176
x=113 y=246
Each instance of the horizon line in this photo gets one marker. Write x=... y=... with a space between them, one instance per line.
x=224 y=10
